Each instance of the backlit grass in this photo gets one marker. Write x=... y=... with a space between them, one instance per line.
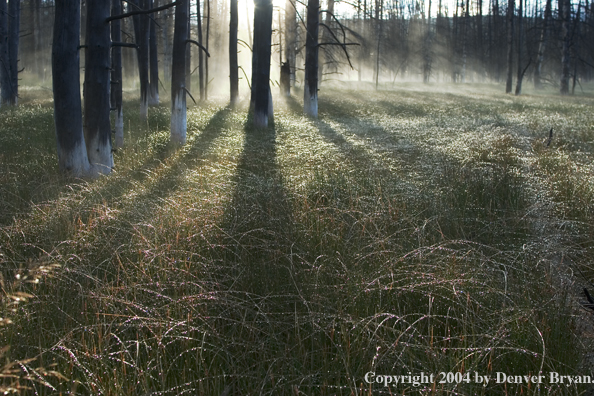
x=406 y=230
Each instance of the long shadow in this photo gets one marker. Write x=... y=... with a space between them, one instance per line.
x=258 y=223
x=110 y=195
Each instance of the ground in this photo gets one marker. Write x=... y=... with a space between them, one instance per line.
x=414 y=229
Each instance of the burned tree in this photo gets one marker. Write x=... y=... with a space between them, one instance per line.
x=72 y=152
x=260 y=98
x=178 y=73
x=116 y=75
x=510 y=45
x=233 y=65
x=97 y=126
x=291 y=38
x=153 y=89
x=542 y=46
x=9 y=49
x=565 y=15
x=310 y=98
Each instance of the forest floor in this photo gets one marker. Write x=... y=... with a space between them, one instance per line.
x=419 y=229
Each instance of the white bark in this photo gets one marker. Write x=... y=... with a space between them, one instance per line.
x=100 y=155
x=179 y=122
x=310 y=103
x=75 y=162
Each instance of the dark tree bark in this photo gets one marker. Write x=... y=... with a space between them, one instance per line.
x=207 y=15
x=72 y=152
x=200 y=54
x=510 y=45
x=565 y=11
x=291 y=39
x=4 y=60
x=9 y=47
x=261 y=62
x=116 y=75
x=153 y=61
x=141 y=34
x=520 y=74
x=542 y=46
x=178 y=73
x=233 y=66
x=97 y=126
x=310 y=98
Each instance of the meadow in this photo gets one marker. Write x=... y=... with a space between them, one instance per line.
x=414 y=229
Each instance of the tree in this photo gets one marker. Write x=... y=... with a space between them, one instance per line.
x=510 y=45
x=260 y=98
x=9 y=51
x=291 y=38
x=153 y=89
x=72 y=152
x=542 y=46
x=310 y=98
x=97 y=126
x=142 y=35
x=116 y=74
x=565 y=14
x=520 y=75
x=233 y=65
x=178 y=73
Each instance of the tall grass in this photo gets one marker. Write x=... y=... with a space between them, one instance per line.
x=405 y=231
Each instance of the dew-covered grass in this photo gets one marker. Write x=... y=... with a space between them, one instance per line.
x=413 y=229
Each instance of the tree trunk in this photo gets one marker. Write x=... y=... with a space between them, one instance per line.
x=310 y=98
x=565 y=10
x=510 y=45
x=200 y=54
x=153 y=61
x=233 y=66
x=291 y=39
x=4 y=60
x=97 y=126
x=261 y=62
x=542 y=46
x=520 y=74
x=167 y=37
x=72 y=153
x=116 y=75
x=207 y=14
x=141 y=33
x=14 y=22
x=178 y=73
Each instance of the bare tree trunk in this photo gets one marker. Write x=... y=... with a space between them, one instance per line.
x=200 y=54
x=565 y=10
x=141 y=33
x=427 y=50
x=542 y=46
x=116 y=74
x=510 y=45
x=97 y=126
x=178 y=73
x=4 y=59
x=261 y=62
x=153 y=61
x=520 y=74
x=291 y=38
x=72 y=152
x=310 y=98
x=465 y=29
x=233 y=65
x=167 y=37
x=207 y=14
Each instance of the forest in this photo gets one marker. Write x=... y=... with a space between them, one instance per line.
x=298 y=197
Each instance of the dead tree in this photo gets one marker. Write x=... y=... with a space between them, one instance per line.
x=544 y=36
x=178 y=73
x=291 y=39
x=116 y=75
x=565 y=15
x=260 y=95
x=233 y=65
x=510 y=45
x=9 y=51
x=310 y=98
x=153 y=88
x=72 y=152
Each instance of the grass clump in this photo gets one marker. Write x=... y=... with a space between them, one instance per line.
x=403 y=231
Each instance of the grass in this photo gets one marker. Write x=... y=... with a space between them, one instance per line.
x=407 y=230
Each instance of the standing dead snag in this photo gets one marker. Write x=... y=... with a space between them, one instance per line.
x=116 y=75
x=233 y=64
x=9 y=48
x=97 y=126
x=72 y=152
x=310 y=94
x=261 y=96
x=178 y=73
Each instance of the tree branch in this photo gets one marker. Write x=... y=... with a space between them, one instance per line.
x=120 y=44
x=199 y=46
x=140 y=12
